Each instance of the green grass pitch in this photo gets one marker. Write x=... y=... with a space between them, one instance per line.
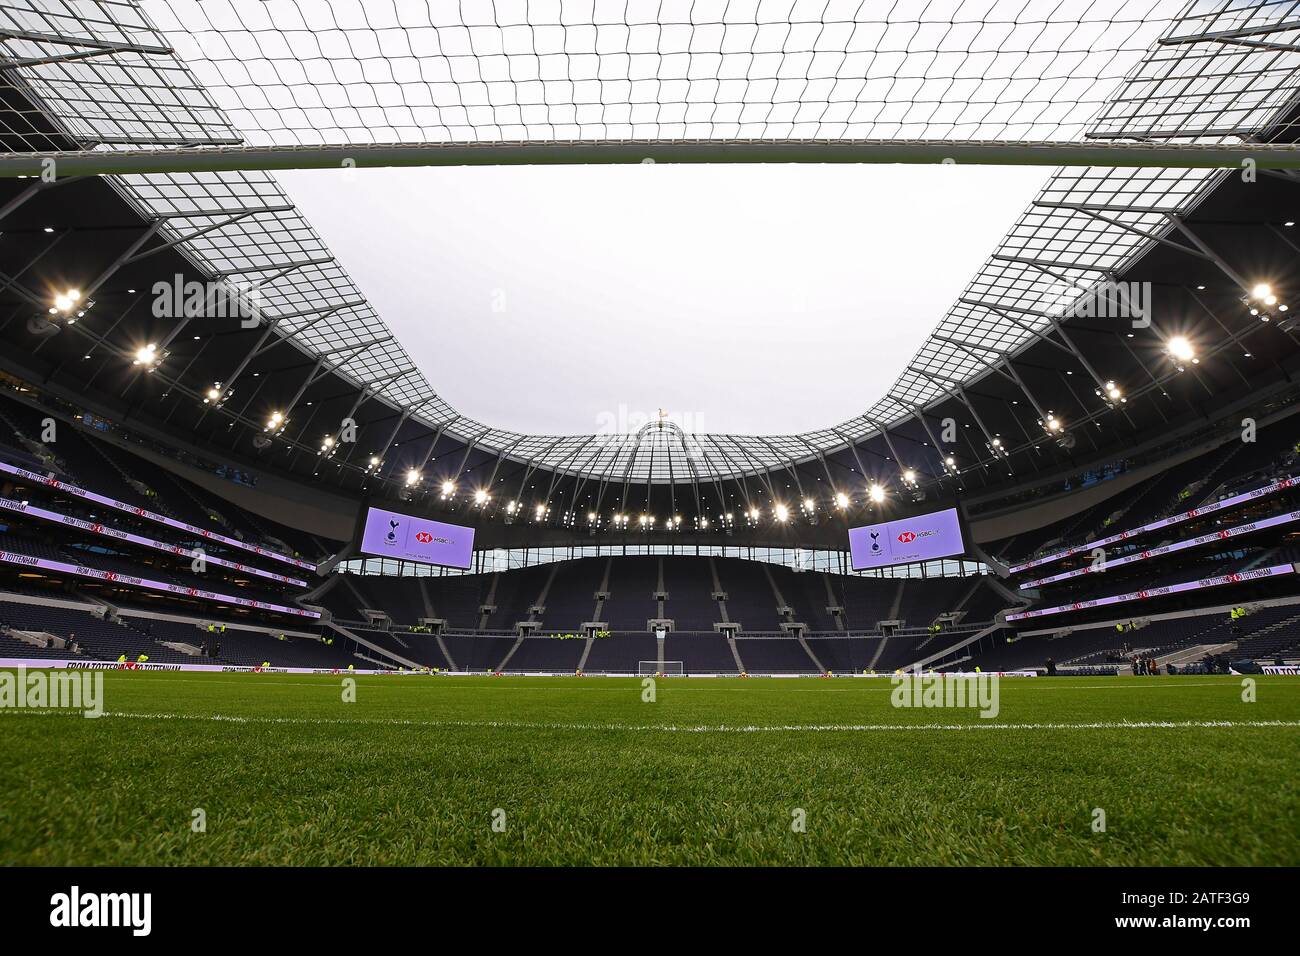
x=712 y=772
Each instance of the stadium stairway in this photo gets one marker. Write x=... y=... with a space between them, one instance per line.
x=976 y=582
x=877 y=653
x=833 y=600
x=735 y=653
x=898 y=600
x=821 y=668
x=969 y=640
x=489 y=601
x=1184 y=656
x=358 y=639
x=425 y=598
x=723 y=617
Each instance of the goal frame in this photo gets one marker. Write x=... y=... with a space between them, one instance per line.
x=664 y=668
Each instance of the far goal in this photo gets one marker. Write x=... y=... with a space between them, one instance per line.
x=667 y=668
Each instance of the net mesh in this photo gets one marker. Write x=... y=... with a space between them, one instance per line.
x=294 y=72
x=310 y=72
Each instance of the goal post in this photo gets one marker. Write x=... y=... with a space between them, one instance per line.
x=667 y=668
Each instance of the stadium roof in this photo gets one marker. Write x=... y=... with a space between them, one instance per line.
x=309 y=82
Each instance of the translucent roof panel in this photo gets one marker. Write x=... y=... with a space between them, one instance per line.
x=120 y=76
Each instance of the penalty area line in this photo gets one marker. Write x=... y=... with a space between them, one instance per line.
x=980 y=725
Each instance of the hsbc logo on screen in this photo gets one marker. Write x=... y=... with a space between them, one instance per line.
x=428 y=537
x=907 y=537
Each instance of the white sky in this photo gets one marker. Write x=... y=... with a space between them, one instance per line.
x=741 y=299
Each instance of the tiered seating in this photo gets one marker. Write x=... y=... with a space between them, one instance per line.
x=102 y=466
x=700 y=653
x=478 y=653
x=1228 y=469
x=249 y=648
x=925 y=599
x=901 y=651
x=690 y=587
x=984 y=604
x=1283 y=643
x=619 y=653
x=867 y=600
x=13 y=647
x=571 y=599
x=98 y=638
x=632 y=583
x=516 y=592
x=805 y=592
x=420 y=649
x=750 y=601
x=399 y=597
x=774 y=655
x=996 y=654
x=844 y=655
x=548 y=654
x=457 y=598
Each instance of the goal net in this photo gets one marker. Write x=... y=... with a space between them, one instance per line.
x=669 y=668
x=498 y=73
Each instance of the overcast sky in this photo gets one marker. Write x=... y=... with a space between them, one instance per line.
x=742 y=299
x=747 y=299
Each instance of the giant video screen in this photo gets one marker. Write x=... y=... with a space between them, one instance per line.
x=389 y=534
x=921 y=538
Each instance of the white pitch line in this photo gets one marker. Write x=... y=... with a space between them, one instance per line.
x=701 y=728
x=617 y=685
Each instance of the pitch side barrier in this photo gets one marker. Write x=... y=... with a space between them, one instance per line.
x=94 y=527
x=1226 y=503
x=1237 y=577
x=116 y=577
x=33 y=663
x=1214 y=536
x=83 y=664
x=148 y=515
x=733 y=675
